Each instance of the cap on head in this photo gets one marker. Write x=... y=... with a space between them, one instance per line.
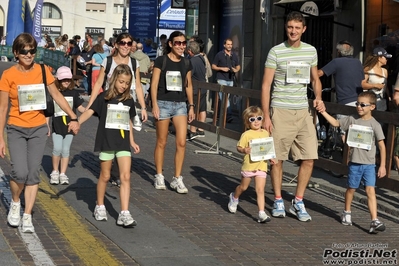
x=379 y=51
x=63 y=73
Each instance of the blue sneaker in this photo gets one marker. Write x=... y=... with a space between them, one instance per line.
x=278 y=209
x=298 y=209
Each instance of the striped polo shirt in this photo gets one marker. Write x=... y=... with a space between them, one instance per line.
x=289 y=95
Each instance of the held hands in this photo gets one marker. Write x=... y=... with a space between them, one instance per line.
x=319 y=105
x=74 y=126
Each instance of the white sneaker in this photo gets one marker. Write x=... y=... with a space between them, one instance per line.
x=27 y=226
x=137 y=125
x=263 y=217
x=178 y=185
x=232 y=206
x=346 y=218
x=54 y=178
x=100 y=213
x=159 y=182
x=126 y=220
x=64 y=179
x=14 y=214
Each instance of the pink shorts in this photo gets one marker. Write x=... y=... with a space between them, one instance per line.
x=251 y=174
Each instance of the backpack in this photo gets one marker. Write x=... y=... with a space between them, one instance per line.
x=108 y=68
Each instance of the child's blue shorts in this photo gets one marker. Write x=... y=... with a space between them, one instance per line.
x=361 y=172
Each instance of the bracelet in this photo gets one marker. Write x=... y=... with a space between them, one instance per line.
x=193 y=105
x=144 y=108
x=74 y=119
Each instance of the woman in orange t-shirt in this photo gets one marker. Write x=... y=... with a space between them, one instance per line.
x=27 y=129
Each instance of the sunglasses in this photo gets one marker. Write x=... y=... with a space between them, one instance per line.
x=362 y=104
x=255 y=118
x=25 y=52
x=123 y=43
x=180 y=43
x=66 y=80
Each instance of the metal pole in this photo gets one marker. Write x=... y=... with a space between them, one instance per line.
x=124 y=28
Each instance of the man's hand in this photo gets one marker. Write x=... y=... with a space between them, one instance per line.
x=319 y=105
x=267 y=124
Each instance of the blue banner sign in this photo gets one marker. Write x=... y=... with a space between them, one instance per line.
x=143 y=19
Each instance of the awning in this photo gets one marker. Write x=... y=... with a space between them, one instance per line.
x=308 y=11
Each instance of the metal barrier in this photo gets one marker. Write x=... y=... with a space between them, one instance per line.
x=219 y=127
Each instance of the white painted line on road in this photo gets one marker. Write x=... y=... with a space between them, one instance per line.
x=33 y=244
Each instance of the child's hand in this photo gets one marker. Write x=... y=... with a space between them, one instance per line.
x=381 y=172
x=247 y=150
x=136 y=148
x=273 y=161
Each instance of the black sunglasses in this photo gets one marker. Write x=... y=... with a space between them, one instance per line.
x=362 y=104
x=254 y=118
x=123 y=43
x=180 y=43
x=25 y=52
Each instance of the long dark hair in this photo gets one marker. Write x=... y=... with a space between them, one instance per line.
x=171 y=37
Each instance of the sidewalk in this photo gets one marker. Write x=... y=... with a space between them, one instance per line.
x=387 y=200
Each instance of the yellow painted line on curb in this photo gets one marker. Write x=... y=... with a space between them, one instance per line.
x=71 y=225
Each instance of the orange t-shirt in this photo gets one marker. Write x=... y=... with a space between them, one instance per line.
x=9 y=82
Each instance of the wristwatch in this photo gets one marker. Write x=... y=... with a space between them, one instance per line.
x=74 y=119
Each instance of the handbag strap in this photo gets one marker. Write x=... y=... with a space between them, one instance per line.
x=43 y=74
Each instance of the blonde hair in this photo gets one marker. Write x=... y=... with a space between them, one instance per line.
x=112 y=92
x=249 y=112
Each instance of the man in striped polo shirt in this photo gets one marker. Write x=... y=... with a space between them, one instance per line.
x=289 y=67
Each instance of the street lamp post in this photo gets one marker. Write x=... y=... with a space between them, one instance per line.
x=124 y=28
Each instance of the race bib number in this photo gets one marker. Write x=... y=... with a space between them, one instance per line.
x=262 y=149
x=31 y=97
x=117 y=117
x=360 y=137
x=57 y=109
x=298 y=72
x=173 y=81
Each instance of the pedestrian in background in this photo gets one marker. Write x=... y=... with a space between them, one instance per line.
x=226 y=64
x=252 y=118
x=26 y=126
x=376 y=76
x=62 y=139
x=289 y=119
x=171 y=89
x=362 y=159
x=115 y=109
x=197 y=73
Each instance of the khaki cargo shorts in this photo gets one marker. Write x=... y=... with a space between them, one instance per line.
x=294 y=133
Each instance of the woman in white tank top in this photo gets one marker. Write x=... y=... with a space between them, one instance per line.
x=376 y=76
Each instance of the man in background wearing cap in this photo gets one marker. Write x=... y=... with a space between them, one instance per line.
x=376 y=76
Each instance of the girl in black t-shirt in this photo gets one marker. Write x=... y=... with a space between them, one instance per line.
x=115 y=109
x=62 y=139
x=172 y=95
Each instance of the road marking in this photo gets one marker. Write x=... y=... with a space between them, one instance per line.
x=72 y=226
x=33 y=244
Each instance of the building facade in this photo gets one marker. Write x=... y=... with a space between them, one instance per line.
x=75 y=17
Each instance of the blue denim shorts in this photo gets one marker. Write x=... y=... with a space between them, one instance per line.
x=361 y=172
x=168 y=109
